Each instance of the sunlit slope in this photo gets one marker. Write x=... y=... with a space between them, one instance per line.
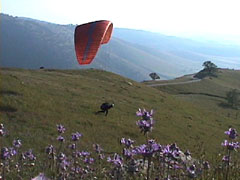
x=32 y=102
x=210 y=94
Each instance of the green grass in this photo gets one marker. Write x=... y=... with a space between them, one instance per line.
x=209 y=97
x=184 y=78
x=32 y=102
x=210 y=93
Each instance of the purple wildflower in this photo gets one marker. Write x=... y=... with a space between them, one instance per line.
x=77 y=153
x=172 y=152
x=176 y=154
x=143 y=150
x=62 y=156
x=230 y=145
x=76 y=136
x=29 y=155
x=232 y=133
x=149 y=149
x=12 y=151
x=145 y=125
x=61 y=138
x=128 y=142
x=61 y=129
x=128 y=153
x=88 y=160
x=72 y=146
x=50 y=149
x=144 y=114
x=17 y=143
x=64 y=164
x=84 y=154
x=226 y=159
x=5 y=153
x=154 y=146
x=116 y=160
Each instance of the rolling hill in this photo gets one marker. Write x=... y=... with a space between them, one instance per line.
x=209 y=93
x=34 y=101
x=29 y=43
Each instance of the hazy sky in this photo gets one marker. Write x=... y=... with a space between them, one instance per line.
x=165 y=16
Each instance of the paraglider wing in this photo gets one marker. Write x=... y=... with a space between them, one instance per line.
x=88 y=38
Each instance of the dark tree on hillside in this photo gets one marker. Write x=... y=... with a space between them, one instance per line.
x=154 y=76
x=233 y=97
x=209 y=70
x=209 y=67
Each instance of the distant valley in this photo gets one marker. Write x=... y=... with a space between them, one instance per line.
x=29 y=43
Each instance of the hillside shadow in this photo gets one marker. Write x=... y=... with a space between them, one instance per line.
x=204 y=94
x=226 y=105
x=7 y=109
x=6 y=92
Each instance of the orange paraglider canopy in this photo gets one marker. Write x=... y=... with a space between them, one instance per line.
x=88 y=38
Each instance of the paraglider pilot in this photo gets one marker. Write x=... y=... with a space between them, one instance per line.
x=104 y=108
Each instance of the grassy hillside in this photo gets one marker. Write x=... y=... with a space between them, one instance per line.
x=209 y=94
x=32 y=102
